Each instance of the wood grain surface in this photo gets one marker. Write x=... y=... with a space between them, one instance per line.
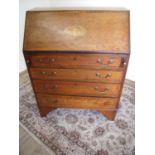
x=59 y=60
x=77 y=30
x=76 y=102
x=77 y=88
x=83 y=75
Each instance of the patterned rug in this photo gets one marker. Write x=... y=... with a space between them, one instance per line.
x=80 y=132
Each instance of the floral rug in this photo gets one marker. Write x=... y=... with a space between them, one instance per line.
x=80 y=132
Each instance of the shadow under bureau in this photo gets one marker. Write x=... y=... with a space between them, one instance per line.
x=77 y=58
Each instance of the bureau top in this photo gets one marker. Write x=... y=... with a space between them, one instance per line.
x=103 y=31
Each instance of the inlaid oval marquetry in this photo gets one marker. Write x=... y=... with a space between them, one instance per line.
x=75 y=31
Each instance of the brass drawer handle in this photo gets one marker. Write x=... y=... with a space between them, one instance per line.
x=52 y=59
x=40 y=60
x=48 y=73
x=46 y=60
x=111 y=61
x=104 y=90
x=106 y=76
x=43 y=72
x=99 y=61
x=54 y=87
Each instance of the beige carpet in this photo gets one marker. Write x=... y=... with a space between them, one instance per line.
x=80 y=132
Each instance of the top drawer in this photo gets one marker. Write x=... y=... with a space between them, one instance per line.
x=92 y=61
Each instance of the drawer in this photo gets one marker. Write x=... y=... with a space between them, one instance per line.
x=77 y=88
x=77 y=75
x=96 y=61
x=76 y=102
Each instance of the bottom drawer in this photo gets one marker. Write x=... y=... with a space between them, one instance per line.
x=76 y=102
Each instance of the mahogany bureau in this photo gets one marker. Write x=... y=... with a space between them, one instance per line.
x=77 y=58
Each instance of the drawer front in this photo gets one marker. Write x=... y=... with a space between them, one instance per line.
x=96 y=61
x=77 y=88
x=77 y=75
x=76 y=102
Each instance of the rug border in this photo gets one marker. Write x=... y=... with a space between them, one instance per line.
x=49 y=150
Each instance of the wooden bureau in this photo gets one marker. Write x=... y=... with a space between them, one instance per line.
x=77 y=58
